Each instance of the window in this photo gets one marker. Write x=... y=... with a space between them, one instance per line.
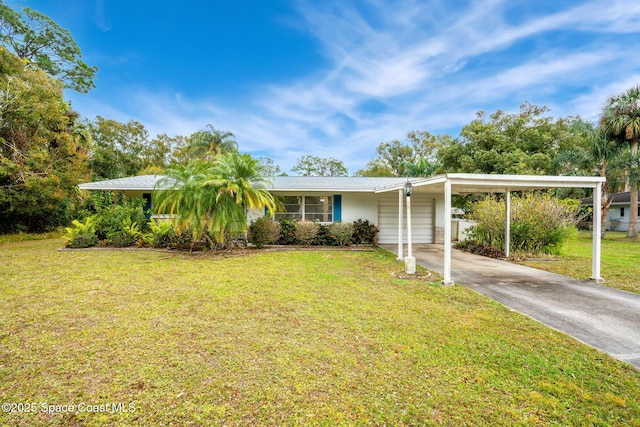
x=308 y=208
x=621 y=212
x=292 y=207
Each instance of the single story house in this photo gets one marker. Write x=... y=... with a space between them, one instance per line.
x=618 y=212
x=326 y=199
x=382 y=202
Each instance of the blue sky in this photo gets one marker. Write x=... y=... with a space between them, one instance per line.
x=336 y=78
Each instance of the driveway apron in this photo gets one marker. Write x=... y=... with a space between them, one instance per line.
x=605 y=318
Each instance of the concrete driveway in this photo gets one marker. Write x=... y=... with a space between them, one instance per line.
x=605 y=318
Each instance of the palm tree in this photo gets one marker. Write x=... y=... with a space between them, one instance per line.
x=597 y=157
x=420 y=167
x=213 y=197
x=208 y=143
x=239 y=188
x=621 y=120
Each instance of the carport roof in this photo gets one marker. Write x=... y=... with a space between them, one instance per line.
x=484 y=183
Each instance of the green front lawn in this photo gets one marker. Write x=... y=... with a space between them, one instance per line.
x=620 y=261
x=281 y=338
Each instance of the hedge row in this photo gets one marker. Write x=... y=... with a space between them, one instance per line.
x=266 y=231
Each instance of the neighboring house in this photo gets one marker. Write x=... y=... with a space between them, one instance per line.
x=618 y=212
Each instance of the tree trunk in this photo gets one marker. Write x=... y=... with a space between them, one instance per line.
x=632 y=232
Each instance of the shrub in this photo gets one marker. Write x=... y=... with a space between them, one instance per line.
x=110 y=217
x=161 y=234
x=539 y=223
x=81 y=235
x=341 y=232
x=306 y=231
x=264 y=231
x=364 y=232
x=234 y=240
x=182 y=240
x=480 y=249
x=127 y=235
x=287 y=232
x=323 y=237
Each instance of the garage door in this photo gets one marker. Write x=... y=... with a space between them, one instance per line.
x=422 y=209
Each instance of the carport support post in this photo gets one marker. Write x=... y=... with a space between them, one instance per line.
x=447 y=233
x=400 y=201
x=597 y=233
x=507 y=224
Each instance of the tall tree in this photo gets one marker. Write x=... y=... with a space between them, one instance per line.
x=417 y=156
x=43 y=149
x=118 y=148
x=208 y=143
x=319 y=166
x=268 y=168
x=522 y=143
x=44 y=44
x=621 y=120
x=213 y=197
x=595 y=158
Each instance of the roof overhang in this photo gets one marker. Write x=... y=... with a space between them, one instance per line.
x=133 y=183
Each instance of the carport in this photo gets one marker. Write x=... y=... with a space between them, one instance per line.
x=461 y=183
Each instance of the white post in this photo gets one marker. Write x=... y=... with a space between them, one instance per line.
x=409 y=225
x=447 y=233
x=400 y=201
x=597 y=233
x=507 y=225
x=410 y=261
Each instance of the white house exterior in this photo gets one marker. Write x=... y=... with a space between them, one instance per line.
x=381 y=201
x=618 y=212
x=345 y=199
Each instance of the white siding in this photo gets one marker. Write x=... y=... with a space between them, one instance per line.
x=422 y=217
x=359 y=206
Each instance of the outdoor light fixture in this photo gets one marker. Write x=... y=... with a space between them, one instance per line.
x=408 y=189
x=410 y=261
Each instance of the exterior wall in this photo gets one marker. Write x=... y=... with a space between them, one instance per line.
x=438 y=233
x=460 y=229
x=254 y=214
x=130 y=194
x=616 y=222
x=360 y=206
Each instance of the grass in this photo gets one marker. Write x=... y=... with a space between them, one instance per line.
x=281 y=338
x=619 y=261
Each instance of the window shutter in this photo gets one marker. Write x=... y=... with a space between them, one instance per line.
x=147 y=204
x=337 y=208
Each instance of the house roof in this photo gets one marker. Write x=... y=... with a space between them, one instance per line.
x=142 y=183
x=460 y=183
x=331 y=183
x=278 y=183
x=617 y=198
